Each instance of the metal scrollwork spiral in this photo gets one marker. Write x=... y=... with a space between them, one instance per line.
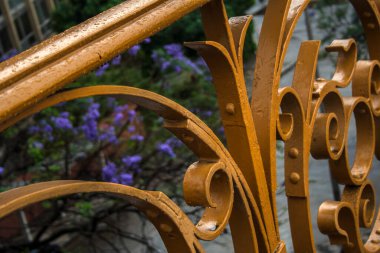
x=237 y=185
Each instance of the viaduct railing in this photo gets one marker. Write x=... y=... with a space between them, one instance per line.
x=235 y=184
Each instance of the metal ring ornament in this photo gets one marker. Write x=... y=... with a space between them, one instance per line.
x=209 y=185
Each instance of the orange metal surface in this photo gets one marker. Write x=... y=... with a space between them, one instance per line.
x=236 y=184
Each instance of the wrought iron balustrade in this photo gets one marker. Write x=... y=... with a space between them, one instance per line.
x=236 y=184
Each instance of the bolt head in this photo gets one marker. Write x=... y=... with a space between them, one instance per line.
x=293 y=153
x=230 y=108
x=294 y=177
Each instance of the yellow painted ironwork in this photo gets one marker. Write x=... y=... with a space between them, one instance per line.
x=236 y=184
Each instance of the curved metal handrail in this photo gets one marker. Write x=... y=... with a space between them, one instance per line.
x=235 y=185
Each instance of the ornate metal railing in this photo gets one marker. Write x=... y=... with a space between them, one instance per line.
x=236 y=185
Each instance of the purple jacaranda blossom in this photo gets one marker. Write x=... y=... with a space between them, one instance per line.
x=166 y=149
x=201 y=62
x=102 y=69
x=118 y=118
x=137 y=137
x=47 y=130
x=147 y=40
x=174 y=142
x=116 y=60
x=121 y=108
x=207 y=113
x=109 y=171
x=62 y=121
x=192 y=65
x=131 y=161
x=48 y=135
x=38 y=145
x=165 y=65
x=177 y=69
x=109 y=135
x=90 y=130
x=155 y=57
x=34 y=129
x=61 y=104
x=90 y=125
x=2 y=170
x=174 y=50
x=131 y=128
x=126 y=178
x=111 y=102
x=134 y=50
x=131 y=114
x=8 y=55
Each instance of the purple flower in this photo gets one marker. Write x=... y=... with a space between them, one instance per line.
x=38 y=145
x=131 y=128
x=100 y=71
x=2 y=170
x=131 y=114
x=47 y=131
x=155 y=57
x=134 y=50
x=174 y=50
x=166 y=149
x=165 y=65
x=8 y=55
x=33 y=129
x=131 y=161
x=109 y=136
x=90 y=125
x=109 y=171
x=121 y=108
x=207 y=113
x=126 y=178
x=147 y=40
x=177 y=69
x=174 y=142
x=201 y=63
x=118 y=118
x=116 y=60
x=192 y=65
x=137 y=137
x=62 y=121
x=111 y=102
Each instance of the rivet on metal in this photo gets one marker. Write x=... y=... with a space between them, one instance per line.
x=294 y=177
x=151 y=214
x=166 y=228
x=293 y=153
x=371 y=26
x=230 y=108
x=188 y=138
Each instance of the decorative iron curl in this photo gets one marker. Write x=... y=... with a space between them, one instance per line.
x=238 y=185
